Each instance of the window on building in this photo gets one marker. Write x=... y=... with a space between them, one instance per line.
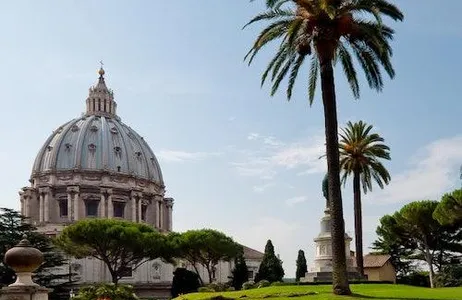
x=92 y=208
x=144 y=209
x=250 y=274
x=119 y=208
x=126 y=271
x=63 y=208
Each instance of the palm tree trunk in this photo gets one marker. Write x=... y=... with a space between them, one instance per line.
x=358 y=222
x=339 y=274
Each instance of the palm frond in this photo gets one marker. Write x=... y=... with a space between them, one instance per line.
x=313 y=78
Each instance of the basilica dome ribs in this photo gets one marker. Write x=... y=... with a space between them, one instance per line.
x=96 y=166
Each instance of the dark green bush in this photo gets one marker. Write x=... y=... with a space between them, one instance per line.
x=184 y=281
x=248 y=285
x=263 y=283
x=450 y=276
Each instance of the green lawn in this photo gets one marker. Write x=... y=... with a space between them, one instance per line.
x=318 y=292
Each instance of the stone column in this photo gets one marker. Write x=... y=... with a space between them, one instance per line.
x=134 y=196
x=155 y=207
x=170 y=218
x=140 y=209
x=69 y=205
x=102 y=204
x=41 y=207
x=76 y=203
x=110 y=206
x=47 y=207
x=21 y=198
x=161 y=215
x=26 y=206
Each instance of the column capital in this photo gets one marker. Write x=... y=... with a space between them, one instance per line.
x=44 y=190
x=73 y=189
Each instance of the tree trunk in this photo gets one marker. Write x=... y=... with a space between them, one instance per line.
x=115 y=278
x=209 y=272
x=429 y=259
x=358 y=222
x=339 y=274
x=197 y=272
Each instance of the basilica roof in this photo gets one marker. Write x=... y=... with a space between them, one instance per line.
x=98 y=141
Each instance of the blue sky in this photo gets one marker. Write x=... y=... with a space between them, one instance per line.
x=233 y=158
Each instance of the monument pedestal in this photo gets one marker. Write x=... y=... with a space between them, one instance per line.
x=23 y=292
x=322 y=269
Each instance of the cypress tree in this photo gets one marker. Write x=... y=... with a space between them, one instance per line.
x=240 y=273
x=301 y=265
x=271 y=266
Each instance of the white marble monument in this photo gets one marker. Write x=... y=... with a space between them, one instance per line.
x=322 y=268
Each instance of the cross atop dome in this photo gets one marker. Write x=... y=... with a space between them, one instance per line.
x=100 y=100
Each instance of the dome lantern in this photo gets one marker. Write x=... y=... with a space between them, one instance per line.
x=100 y=100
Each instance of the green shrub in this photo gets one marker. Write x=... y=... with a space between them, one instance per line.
x=263 y=283
x=248 y=285
x=218 y=287
x=106 y=290
x=450 y=276
x=205 y=289
x=230 y=289
x=184 y=281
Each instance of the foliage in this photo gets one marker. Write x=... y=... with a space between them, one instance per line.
x=415 y=278
x=118 y=243
x=204 y=289
x=271 y=266
x=324 y=292
x=424 y=238
x=205 y=247
x=12 y=229
x=391 y=241
x=449 y=210
x=263 y=283
x=302 y=268
x=240 y=273
x=361 y=151
x=248 y=285
x=106 y=291
x=450 y=276
x=184 y=281
x=328 y=31
x=217 y=286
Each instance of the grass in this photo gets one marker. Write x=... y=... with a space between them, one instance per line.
x=324 y=292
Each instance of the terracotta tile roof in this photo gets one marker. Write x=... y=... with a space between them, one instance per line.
x=375 y=260
x=250 y=253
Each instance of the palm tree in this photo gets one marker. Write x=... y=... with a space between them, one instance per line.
x=329 y=31
x=360 y=151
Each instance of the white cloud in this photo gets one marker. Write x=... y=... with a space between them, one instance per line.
x=181 y=156
x=253 y=136
x=263 y=187
x=274 y=155
x=432 y=172
x=296 y=200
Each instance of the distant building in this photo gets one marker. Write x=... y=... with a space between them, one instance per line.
x=379 y=268
x=95 y=166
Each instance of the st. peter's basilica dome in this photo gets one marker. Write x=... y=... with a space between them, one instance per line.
x=96 y=166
